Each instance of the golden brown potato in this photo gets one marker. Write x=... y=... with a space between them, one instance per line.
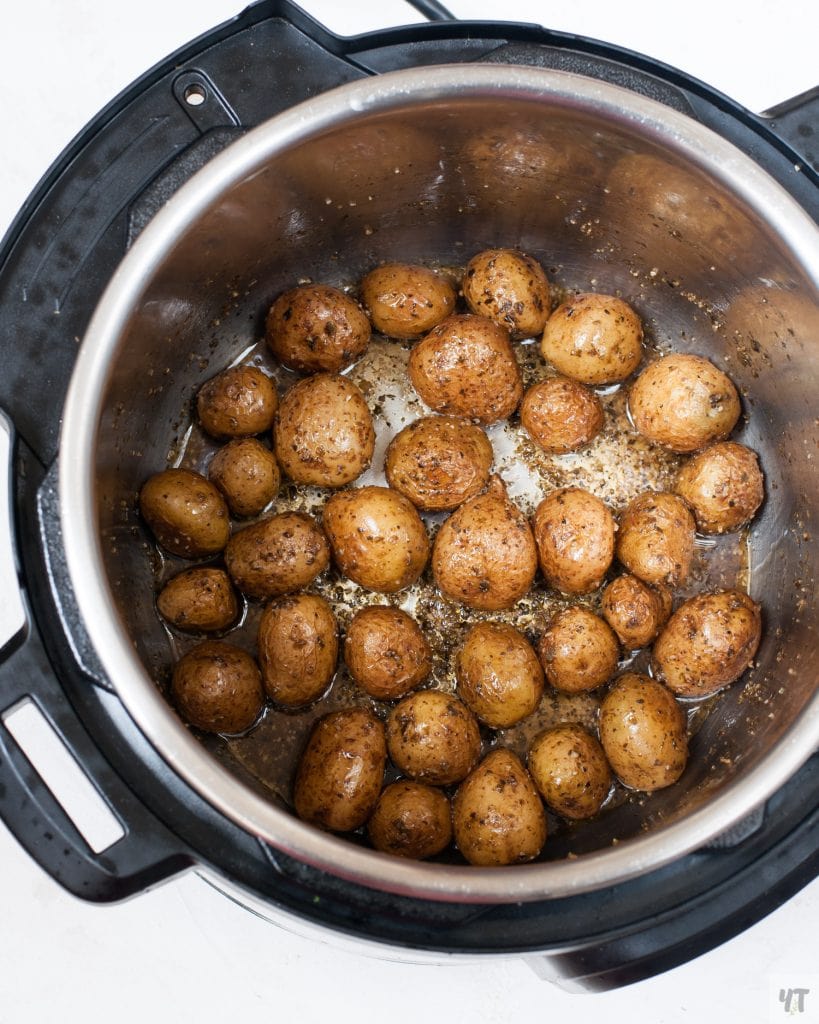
x=708 y=643
x=238 y=402
x=484 y=555
x=466 y=366
x=656 y=538
x=497 y=815
x=406 y=301
x=199 y=600
x=433 y=737
x=594 y=339
x=498 y=674
x=561 y=415
x=314 y=328
x=377 y=538
x=185 y=513
x=278 y=555
x=217 y=687
x=298 y=649
x=578 y=651
x=341 y=771
x=723 y=485
x=439 y=462
x=510 y=288
x=247 y=474
x=570 y=770
x=634 y=610
x=642 y=730
x=683 y=402
x=411 y=820
x=574 y=532
x=324 y=432
x=386 y=652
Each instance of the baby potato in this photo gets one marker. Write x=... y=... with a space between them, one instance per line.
x=570 y=771
x=185 y=513
x=574 y=532
x=510 y=288
x=247 y=474
x=386 y=652
x=634 y=610
x=439 y=462
x=298 y=649
x=466 y=366
x=484 y=555
x=323 y=434
x=498 y=674
x=594 y=339
x=656 y=538
x=278 y=555
x=578 y=651
x=411 y=820
x=377 y=538
x=642 y=730
x=497 y=815
x=315 y=328
x=683 y=402
x=708 y=643
x=561 y=415
x=238 y=402
x=199 y=600
x=341 y=771
x=723 y=485
x=217 y=687
x=405 y=301
x=433 y=737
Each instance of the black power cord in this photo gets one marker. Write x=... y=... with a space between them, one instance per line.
x=432 y=10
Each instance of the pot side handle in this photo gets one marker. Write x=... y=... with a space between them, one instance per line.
x=796 y=122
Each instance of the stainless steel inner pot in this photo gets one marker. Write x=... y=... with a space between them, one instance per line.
x=608 y=189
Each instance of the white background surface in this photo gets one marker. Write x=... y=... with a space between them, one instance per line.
x=183 y=952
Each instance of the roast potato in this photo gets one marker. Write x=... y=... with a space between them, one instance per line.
x=341 y=770
x=574 y=532
x=406 y=301
x=510 y=288
x=708 y=643
x=498 y=674
x=278 y=555
x=199 y=600
x=561 y=415
x=298 y=649
x=411 y=820
x=570 y=771
x=723 y=485
x=497 y=815
x=634 y=610
x=578 y=650
x=315 y=328
x=656 y=538
x=185 y=513
x=594 y=339
x=217 y=687
x=247 y=474
x=238 y=402
x=433 y=737
x=386 y=652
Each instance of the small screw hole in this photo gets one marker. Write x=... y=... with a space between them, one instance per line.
x=195 y=95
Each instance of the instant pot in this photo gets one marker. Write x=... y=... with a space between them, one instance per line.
x=597 y=925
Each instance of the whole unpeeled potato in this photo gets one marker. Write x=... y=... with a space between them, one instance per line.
x=411 y=820
x=185 y=512
x=405 y=300
x=247 y=474
x=199 y=600
x=578 y=650
x=314 y=328
x=498 y=674
x=723 y=485
x=594 y=339
x=574 y=532
x=634 y=610
x=656 y=538
x=386 y=652
x=238 y=402
x=277 y=555
x=217 y=687
x=298 y=649
x=510 y=288
x=570 y=770
x=433 y=737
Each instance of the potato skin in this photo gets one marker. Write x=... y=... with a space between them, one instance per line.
x=684 y=402
x=323 y=434
x=497 y=815
x=433 y=737
x=656 y=538
x=247 y=474
x=634 y=610
x=238 y=402
x=561 y=415
x=466 y=366
x=723 y=485
x=341 y=771
x=574 y=532
x=386 y=652
x=484 y=555
x=199 y=600
x=217 y=687
x=642 y=730
x=185 y=512
x=406 y=301
x=578 y=651
x=498 y=675
x=411 y=820
x=439 y=462
x=594 y=339
x=298 y=649
x=377 y=538
x=278 y=555
x=708 y=643
x=570 y=770
x=315 y=328
x=510 y=288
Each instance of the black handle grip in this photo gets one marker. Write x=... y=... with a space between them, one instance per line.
x=796 y=121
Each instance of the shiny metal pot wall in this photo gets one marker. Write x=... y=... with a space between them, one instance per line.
x=435 y=164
